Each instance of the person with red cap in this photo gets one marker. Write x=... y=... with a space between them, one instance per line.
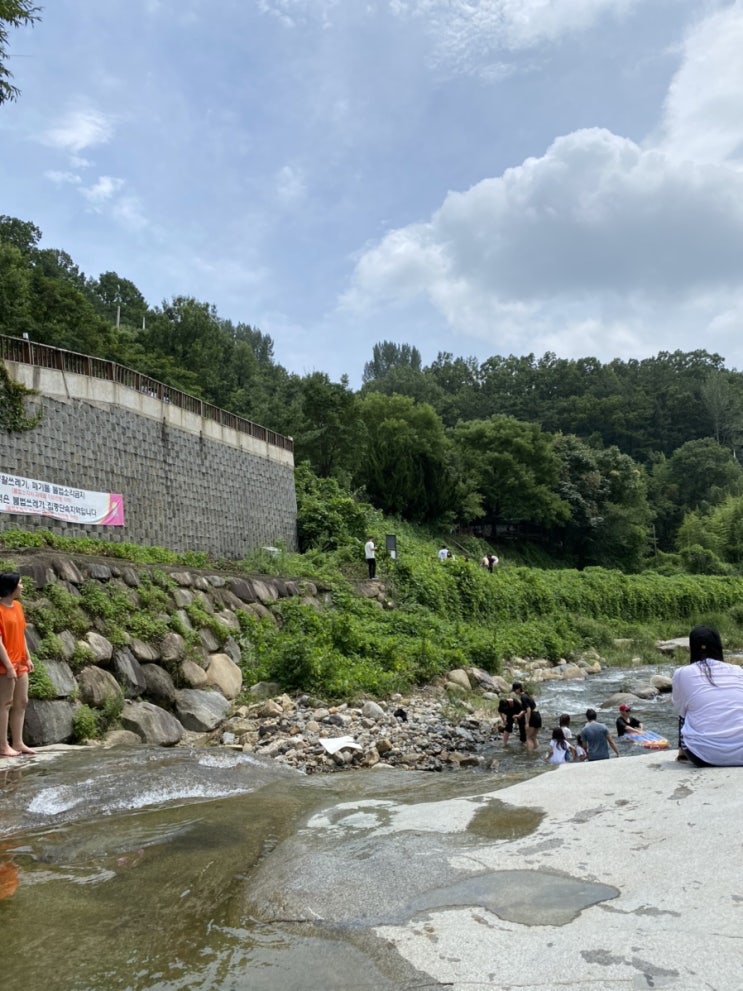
x=627 y=723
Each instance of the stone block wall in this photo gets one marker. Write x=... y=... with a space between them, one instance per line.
x=184 y=487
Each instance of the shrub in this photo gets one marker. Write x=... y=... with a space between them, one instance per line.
x=85 y=724
x=40 y=685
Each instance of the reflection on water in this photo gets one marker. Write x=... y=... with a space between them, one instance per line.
x=162 y=870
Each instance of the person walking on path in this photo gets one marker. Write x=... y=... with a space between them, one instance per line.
x=708 y=696
x=15 y=666
x=597 y=738
x=371 y=561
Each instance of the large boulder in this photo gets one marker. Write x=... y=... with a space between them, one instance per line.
x=225 y=675
x=201 y=711
x=192 y=675
x=97 y=687
x=172 y=647
x=47 y=722
x=159 y=684
x=61 y=676
x=129 y=673
x=151 y=724
x=101 y=648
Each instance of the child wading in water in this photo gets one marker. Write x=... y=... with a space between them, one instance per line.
x=560 y=750
x=15 y=666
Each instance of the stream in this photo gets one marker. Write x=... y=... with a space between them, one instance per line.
x=160 y=870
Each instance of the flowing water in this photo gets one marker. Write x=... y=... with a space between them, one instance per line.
x=180 y=870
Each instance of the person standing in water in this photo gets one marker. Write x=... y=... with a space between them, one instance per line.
x=15 y=666
x=597 y=738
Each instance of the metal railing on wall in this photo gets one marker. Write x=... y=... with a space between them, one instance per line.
x=43 y=356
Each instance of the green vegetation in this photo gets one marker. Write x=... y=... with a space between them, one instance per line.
x=436 y=615
x=85 y=724
x=40 y=685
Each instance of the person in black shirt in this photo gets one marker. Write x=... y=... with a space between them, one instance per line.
x=508 y=708
x=627 y=723
x=530 y=719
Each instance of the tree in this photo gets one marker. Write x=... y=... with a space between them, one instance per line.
x=331 y=436
x=22 y=234
x=512 y=465
x=406 y=468
x=609 y=511
x=117 y=298
x=698 y=475
x=387 y=355
x=13 y=13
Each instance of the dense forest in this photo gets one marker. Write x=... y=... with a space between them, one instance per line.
x=628 y=464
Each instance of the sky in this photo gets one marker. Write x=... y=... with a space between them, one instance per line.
x=478 y=177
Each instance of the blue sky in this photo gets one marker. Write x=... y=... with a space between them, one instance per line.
x=492 y=177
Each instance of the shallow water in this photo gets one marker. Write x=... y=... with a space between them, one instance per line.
x=178 y=870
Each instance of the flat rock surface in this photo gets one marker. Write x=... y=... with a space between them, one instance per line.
x=656 y=840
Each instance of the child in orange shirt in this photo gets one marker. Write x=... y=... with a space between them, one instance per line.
x=15 y=666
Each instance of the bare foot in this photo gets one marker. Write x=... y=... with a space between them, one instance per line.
x=23 y=749
x=9 y=752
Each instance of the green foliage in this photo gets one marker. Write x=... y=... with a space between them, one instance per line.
x=50 y=647
x=40 y=685
x=13 y=415
x=201 y=619
x=328 y=517
x=85 y=724
x=81 y=657
x=13 y=13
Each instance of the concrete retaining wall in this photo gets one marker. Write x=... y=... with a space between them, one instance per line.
x=188 y=483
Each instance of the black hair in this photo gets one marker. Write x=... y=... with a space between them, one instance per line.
x=8 y=582
x=564 y=719
x=705 y=643
x=590 y=714
x=516 y=686
x=559 y=737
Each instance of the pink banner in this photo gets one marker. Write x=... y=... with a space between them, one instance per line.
x=61 y=502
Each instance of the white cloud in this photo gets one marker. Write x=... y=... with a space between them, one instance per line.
x=704 y=108
x=468 y=35
x=61 y=178
x=598 y=238
x=78 y=130
x=103 y=190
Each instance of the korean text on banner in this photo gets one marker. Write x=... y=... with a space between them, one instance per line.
x=61 y=502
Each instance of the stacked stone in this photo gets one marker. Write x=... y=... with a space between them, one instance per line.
x=167 y=689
